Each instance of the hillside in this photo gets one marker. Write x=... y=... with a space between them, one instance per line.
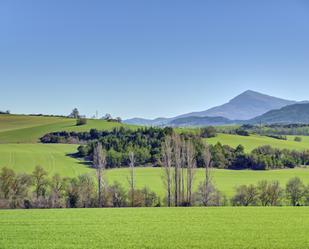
x=297 y=113
x=53 y=157
x=28 y=129
x=254 y=141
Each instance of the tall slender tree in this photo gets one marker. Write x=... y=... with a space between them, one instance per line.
x=177 y=168
x=167 y=164
x=208 y=178
x=191 y=166
x=131 y=178
x=99 y=162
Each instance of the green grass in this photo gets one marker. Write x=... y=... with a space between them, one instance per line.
x=225 y=180
x=253 y=141
x=160 y=228
x=28 y=129
x=53 y=157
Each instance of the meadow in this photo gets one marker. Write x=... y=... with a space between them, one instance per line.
x=253 y=141
x=215 y=228
x=20 y=151
x=28 y=129
x=54 y=158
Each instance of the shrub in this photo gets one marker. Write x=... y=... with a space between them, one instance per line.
x=81 y=121
x=208 y=132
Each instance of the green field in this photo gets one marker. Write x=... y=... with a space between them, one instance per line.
x=225 y=180
x=19 y=151
x=253 y=141
x=28 y=129
x=164 y=228
x=53 y=157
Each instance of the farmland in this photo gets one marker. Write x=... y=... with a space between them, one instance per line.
x=28 y=129
x=217 y=228
x=54 y=158
x=253 y=141
x=20 y=151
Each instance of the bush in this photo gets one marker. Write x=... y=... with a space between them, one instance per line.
x=242 y=132
x=279 y=137
x=297 y=139
x=245 y=196
x=81 y=121
x=208 y=132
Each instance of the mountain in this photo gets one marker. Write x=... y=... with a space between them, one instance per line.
x=297 y=113
x=200 y=121
x=245 y=106
x=147 y=122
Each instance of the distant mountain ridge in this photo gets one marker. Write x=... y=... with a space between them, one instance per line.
x=297 y=114
x=246 y=106
x=200 y=121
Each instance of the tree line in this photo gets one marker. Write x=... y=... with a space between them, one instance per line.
x=147 y=146
x=179 y=160
x=268 y=129
x=261 y=158
x=37 y=190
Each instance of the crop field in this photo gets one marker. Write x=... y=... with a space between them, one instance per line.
x=28 y=129
x=53 y=157
x=215 y=228
x=225 y=180
x=253 y=141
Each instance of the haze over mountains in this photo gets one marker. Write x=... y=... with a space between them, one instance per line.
x=244 y=108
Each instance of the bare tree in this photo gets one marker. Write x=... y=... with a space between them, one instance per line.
x=40 y=182
x=167 y=164
x=183 y=170
x=99 y=162
x=191 y=165
x=57 y=186
x=208 y=188
x=131 y=178
x=177 y=168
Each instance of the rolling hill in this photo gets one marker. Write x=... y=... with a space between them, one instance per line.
x=22 y=153
x=253 y=141
x=28 y=129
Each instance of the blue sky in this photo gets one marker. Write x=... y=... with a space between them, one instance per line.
x=149 y=58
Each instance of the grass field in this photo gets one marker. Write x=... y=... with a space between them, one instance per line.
x=22 y=153
x=53 y=157
x=253 y=141
x=164 y=228
x=225 y=180
x=28 y=129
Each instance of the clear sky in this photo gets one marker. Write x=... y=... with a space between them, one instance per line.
x=149 y=58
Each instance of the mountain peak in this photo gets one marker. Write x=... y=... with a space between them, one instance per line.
x=249 y=92
x=246 y=105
